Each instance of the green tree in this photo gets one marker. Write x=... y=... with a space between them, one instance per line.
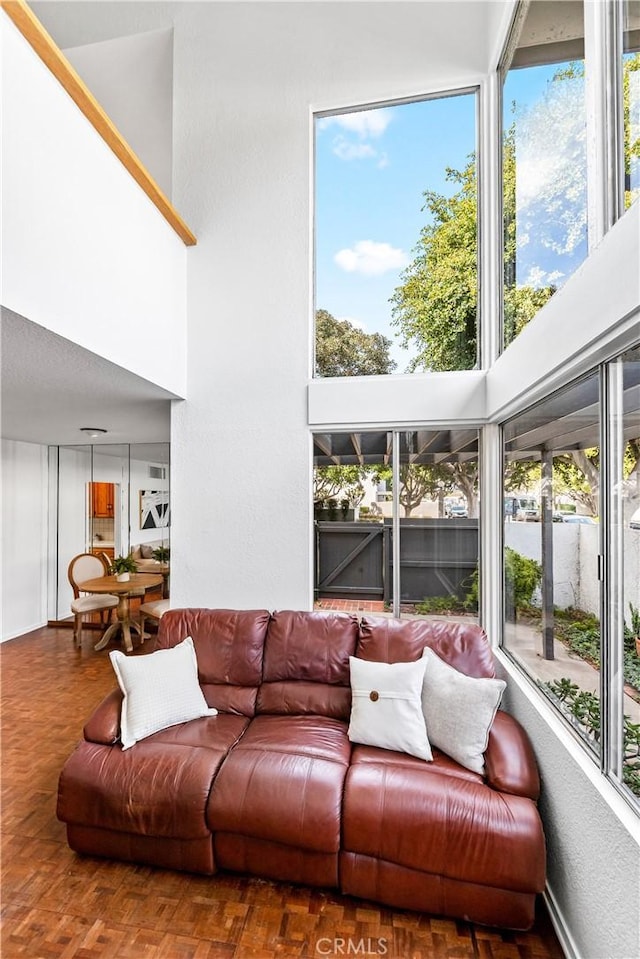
x=435 y=481
x=435 y=306
x=339 y=483
x=344 y=350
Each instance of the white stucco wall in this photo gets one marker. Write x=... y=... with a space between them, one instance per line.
x=242 y=162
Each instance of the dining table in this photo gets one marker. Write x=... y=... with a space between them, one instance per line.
x=123 y=590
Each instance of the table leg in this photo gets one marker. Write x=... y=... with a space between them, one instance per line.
x=123 y=624
x=106 y=636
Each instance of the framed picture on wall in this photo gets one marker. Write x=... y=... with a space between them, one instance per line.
x=154 y=509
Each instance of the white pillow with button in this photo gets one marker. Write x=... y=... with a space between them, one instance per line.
x=386 y=706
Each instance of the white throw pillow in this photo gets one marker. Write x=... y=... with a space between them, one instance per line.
x=160 y=689
x=386 y=706
x=459 y=711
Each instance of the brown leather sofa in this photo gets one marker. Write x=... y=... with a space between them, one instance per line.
x=273 y=787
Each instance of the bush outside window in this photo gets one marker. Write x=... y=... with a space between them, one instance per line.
x=573 y=628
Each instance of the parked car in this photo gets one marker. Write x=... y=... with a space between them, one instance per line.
x=461 y=512
x=575 y=518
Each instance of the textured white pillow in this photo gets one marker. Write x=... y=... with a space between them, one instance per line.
x=386 y=706
x=160 y=690
x=459 y=711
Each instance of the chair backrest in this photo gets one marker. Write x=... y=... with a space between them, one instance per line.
x=85 y=566
x=106 y=560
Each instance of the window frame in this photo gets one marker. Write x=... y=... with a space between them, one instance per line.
x=482 y=120
x=608 y=760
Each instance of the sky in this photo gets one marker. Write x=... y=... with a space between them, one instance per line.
x=371 y=171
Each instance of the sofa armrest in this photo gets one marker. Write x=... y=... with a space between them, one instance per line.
x=510 y=763
x=103 y=726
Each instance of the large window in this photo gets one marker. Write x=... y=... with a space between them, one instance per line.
x=544 y=160
x=572 y=559
x=395 y=238
x=397 y=521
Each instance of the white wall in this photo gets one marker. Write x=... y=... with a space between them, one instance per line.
x=24 y=537
x=132 y=80
x=575 y=560
x=84 y=251
x=247 y=79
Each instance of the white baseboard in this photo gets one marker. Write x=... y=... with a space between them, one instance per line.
x=23 y=631
x=566 y=940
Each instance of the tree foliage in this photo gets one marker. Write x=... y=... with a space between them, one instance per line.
x=630 y=94
x=339 y=482
x=434 y=481
x=344 y=350
x=435 y=306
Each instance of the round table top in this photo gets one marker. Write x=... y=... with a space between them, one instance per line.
x=109 y=584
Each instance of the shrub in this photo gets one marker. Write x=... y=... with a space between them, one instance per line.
x=522 y=577
x=583 y=709
x=439 y=604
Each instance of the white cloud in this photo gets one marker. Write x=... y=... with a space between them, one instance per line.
x=538 y=278
x=347 y=150
x=370 y=258
x=356 y=131
x=365 y=123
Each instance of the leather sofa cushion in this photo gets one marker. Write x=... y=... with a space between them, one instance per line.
x=463 y=645
x=108 y=788
x=283 y=783
x=221 y=733
x=441 y=763
x=306 y=664
x=229 y=648
x=411 y=814
x=313 y=647
x=299 y=698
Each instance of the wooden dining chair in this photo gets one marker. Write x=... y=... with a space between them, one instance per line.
x=82 y=567
x=154 y=610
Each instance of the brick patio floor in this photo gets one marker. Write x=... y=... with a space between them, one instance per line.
x=351 y=605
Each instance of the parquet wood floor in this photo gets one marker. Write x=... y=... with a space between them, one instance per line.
x=56 y=905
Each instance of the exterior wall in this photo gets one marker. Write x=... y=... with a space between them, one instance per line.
x=24 y=537
x=575 y=560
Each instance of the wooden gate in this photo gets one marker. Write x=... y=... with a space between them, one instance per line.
x=437 y=558
x=351 y=559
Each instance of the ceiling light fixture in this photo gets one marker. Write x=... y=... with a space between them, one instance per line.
x=92 y=430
